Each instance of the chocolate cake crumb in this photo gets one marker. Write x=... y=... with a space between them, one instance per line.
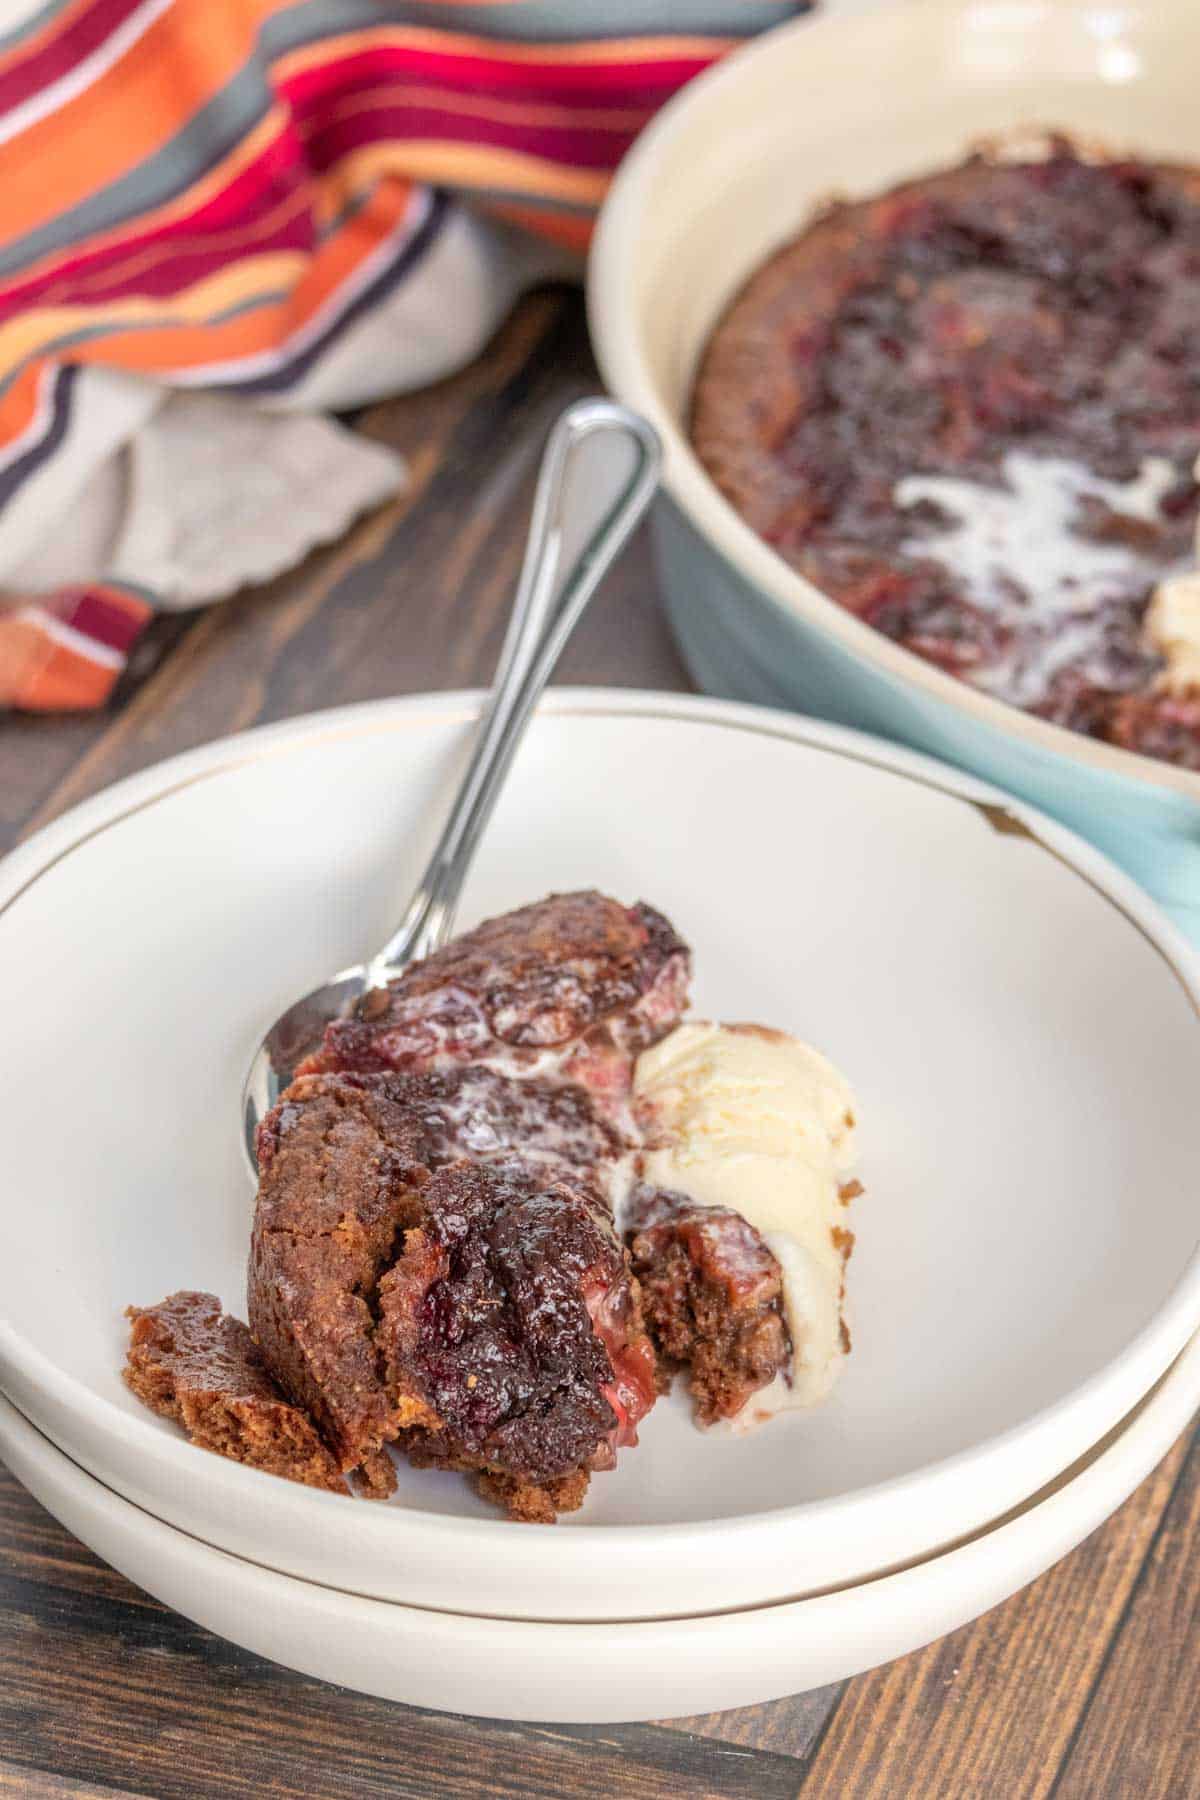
x=192 y=1363
x=712 y=1296
x=530 y=1504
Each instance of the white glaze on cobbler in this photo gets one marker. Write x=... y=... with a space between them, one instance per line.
x=572 y=988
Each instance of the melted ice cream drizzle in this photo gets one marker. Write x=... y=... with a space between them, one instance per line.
x=1015 y=551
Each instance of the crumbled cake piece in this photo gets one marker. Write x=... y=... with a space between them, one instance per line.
x=1165 y=725
x=511 y=1330
x=194 y=1364
x=712 y=1297
x=576 y=985
x=341 y=1164
x=748 y=1135
x=531 y=1504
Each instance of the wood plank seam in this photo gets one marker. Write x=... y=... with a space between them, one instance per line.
x=808 y=1762
x=1135 y=1587
x=57 y=1787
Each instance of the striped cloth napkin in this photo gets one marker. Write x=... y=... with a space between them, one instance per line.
x=222 y=220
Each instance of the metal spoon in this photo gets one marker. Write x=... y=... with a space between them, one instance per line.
x=573 y=538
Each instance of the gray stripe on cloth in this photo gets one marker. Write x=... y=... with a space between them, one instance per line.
x=88 y=334
x=568 y=21
x=32 y=23
x=214 y=131
x=211 y=134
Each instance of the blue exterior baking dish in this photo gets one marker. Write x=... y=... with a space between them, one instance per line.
x=850 y=102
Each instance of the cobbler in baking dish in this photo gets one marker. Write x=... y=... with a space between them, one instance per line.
x=969 y=411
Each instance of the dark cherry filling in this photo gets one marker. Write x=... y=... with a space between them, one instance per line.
x=480 y=1114
x=346 y=1161
x=1048 y=308
x=614 y=1308
x=1163 y=725
x=488 y=1320
x=712 y=1297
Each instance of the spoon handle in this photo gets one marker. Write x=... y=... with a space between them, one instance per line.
x=598 y=476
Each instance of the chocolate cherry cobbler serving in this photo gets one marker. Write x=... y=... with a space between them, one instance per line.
x=969 y=412
x=433 y=1263
x=502 y=1204
x=575 y=984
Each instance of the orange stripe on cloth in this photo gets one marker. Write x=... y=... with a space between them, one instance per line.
x=173 y=69
x=39 y=673
x=142 y=101
x=256 y=142
x=275 y=294
x=478 y=167
x=19 y=404
x=574 y=230
x=587 y=52
x=196 y=341
x=41 y=332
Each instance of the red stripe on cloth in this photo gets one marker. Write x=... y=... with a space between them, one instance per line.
x=45 y=670
x=598 y=113
x=162 y=270
x=33 y=36
x=59 y=56
x=571 y=82
x=132 y=265
x=575 y=147
x=107 y=615
x=161 y=261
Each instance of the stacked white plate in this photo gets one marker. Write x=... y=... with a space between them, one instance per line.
x=1023 y=1032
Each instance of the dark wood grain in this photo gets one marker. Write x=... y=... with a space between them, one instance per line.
x=790 y=1727
x=1139 y=1730
x=15 y=1780
x=1080 y=1687
x=101 y=1684
x=991 y=1708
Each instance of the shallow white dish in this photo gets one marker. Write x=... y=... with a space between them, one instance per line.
x=594 y=1673
x=1019 y=1022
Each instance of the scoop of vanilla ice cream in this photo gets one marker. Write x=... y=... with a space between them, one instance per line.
x=750 y=1119
x=1173 y=630
x=1171 y=627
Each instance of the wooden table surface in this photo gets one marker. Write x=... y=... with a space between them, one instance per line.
x=1083 y=1687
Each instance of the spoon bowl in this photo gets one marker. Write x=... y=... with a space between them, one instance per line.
x=598 y=476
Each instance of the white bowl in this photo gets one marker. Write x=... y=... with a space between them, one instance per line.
x=732 y=168
x=597 y=1673
x=1020 y=1025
